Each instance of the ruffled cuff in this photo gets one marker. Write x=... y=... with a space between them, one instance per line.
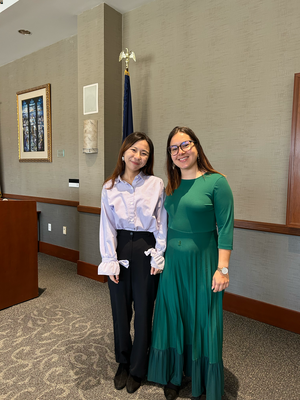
x=111 y=267
x=157 y=260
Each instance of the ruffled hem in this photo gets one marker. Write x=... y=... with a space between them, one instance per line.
x=109 y=268
x=167 y=366
x=157 y=260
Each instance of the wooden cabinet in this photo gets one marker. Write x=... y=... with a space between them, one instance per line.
x=18 y=252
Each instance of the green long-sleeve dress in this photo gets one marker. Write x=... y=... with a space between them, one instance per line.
x=188 y=321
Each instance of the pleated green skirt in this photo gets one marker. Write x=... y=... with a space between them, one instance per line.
x=188 y=321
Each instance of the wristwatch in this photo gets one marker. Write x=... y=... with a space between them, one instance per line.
x=223 y=271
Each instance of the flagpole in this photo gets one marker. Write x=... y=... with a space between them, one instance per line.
x=127 y=107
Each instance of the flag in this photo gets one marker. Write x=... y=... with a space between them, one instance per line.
x=127 y=110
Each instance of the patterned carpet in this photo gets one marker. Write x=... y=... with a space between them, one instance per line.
x=60 y=346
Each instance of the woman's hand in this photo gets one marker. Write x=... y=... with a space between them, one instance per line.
x=155 y=271
x=114 y=278
x=219 y=282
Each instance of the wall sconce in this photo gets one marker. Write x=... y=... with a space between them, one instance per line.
x=90 y=136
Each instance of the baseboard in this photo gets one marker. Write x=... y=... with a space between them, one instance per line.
x=268 y=313
x=263 y=312
x=58 y=251
x=90 y=271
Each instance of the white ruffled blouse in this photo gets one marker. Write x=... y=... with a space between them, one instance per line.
x=137 y=207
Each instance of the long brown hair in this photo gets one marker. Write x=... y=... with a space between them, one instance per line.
x=174 y=174
x=128 y=142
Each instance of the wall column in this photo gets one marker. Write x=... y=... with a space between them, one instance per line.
x=99 y=45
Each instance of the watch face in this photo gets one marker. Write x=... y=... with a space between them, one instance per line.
x=224 y=271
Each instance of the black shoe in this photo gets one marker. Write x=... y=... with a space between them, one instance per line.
x=133 y=383
x=121 y=376
x=171 y=394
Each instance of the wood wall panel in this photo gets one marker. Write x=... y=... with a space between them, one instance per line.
x=59 y=252
x=293 y=230
x=241 y=224
x=89 y=210
x=293 y=196
x=90 y=271
x=42 y=199
x=267 y=227
x=263 y=312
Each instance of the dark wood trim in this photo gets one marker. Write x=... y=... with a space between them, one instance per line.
x=250 y=308
x=90 y=271
x=267 y=227
x=238 y=223
x=263 y=312
x=293 y=193
x=90 y=210
x=59 y=252
x=61 y=202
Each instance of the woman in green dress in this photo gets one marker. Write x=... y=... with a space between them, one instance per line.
x=188 y=321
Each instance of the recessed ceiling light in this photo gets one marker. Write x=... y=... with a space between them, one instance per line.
x=24 y=32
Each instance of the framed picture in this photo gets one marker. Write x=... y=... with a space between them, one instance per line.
x=34 y=124
x=90 y=99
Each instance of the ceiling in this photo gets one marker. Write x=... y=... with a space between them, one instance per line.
x=49 y=21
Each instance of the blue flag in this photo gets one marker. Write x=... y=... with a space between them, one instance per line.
x=127 y=111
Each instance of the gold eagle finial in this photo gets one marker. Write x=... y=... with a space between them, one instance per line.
x=127 y=54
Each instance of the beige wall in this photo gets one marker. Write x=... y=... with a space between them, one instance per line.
x=225 y=69
x=90 y=57
x=57 y=65
x=99 y=44
x=112 y=88
x=90 y=71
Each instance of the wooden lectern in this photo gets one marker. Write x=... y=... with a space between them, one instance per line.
x=18 y=252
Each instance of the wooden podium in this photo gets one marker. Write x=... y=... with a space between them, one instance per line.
x=18 y=252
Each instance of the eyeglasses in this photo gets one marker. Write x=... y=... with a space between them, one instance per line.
x=185 y=146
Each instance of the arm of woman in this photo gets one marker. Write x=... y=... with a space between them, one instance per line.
x=157 y=255
x=108 y=241
x=224 y=211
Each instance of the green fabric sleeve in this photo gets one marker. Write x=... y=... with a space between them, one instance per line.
x=224 y=211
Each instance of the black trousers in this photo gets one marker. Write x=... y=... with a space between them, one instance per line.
x=138 y=288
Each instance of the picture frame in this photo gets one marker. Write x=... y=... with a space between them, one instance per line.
x=34 y=124
x=90 y=99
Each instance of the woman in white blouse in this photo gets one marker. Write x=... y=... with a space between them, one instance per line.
x=133 y=227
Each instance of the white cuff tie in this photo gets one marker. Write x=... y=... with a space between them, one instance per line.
x=157 y=260
x=125 y=263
